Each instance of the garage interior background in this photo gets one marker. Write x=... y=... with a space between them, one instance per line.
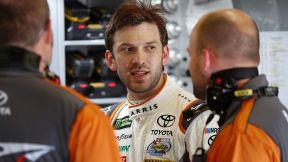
x=78 y=51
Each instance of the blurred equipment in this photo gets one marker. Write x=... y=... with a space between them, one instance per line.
x=78 y=65
x=174 y=29
x=76 y=17
x=175 y=57
x=88 y=74
x=83 y=23
x=170 y=6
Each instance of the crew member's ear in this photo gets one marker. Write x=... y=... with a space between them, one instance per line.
x=165 y=55
x=110 y=60
x=209 y=58
x=48 y=34
x=43 y=46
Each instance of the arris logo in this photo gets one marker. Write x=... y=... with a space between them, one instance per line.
x=166 y=120
x=3 y=98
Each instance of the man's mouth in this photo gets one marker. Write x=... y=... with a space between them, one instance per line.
x=139 y=73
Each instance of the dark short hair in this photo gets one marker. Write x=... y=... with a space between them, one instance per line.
x=135 y=12
x=21 y=21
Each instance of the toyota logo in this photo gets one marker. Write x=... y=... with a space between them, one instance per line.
x=166 y=120
x=211 y=139
x=3 y=97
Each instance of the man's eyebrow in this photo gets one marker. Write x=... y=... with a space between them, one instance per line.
x=125 y=44
x=152 y=42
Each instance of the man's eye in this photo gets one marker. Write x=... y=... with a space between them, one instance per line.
x=127 y=49
x=151 y=48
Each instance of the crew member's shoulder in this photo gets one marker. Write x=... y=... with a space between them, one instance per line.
x=66 y=95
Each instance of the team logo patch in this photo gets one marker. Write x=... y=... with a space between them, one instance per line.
x=122 y=123
x=4 y=110
x=123 y=158
x=162 y=132
x=211 y=130
x=156 y=160
x=184 y=97
x=27 y=151
x=211 y=139
x=166 y=120
x=124 y=148
x=143 y=110
x=159 y=147
x=3 y=98
x=123 y=137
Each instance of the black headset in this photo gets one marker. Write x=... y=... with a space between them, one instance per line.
x=222 y=88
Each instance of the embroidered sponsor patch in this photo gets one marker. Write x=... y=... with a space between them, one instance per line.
x=166 y=120
x=143 y=110
x=184 y=97
x=123 y=158
x=27 y=151
x=3 y=98
x=162 y=132
x=123 y=137
x=122 y=123
x=4 y=110
x=159 y=147
x=156 y=160
x=211 y=130
x=211 y=139
x=124 y=148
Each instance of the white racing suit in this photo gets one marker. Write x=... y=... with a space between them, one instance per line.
x=168 y=127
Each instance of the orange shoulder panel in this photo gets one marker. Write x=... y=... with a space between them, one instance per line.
x=254 y=146
x=92 y=138
x=240 y=141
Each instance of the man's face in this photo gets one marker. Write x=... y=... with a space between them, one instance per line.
x=196 y=68
x=139 y=57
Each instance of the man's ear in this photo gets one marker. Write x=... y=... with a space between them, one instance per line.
x=209 y=58
x=43 y=46
x=48 y=33
x=165 y=55
x=110 y=60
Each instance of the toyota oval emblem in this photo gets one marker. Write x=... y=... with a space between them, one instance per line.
x=211 y=139
x=3 y=98
x=166 y=120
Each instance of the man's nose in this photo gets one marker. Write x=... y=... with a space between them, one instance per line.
x=139 y=57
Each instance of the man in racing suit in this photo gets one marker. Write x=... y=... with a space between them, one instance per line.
x=254 y=123
x=41 y=121
x=154 y=130
x=154 y=123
